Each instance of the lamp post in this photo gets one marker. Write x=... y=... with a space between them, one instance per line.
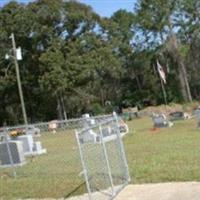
x=15 y=59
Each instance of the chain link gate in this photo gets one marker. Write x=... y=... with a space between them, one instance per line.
x=103 y=159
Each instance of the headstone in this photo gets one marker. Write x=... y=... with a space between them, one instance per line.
x=11 y=154
x=86 y=115
x=197 y=113
x=28 y=143
x=37 y=148
x=130 y=113
x=88 y=136
x=32 y=130
x=109 y=133
x=179 y=115
x=160 y=120
x=106 y=132
x=88 y=121
x=92 y=122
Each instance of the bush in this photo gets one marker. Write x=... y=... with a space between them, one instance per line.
x=97 y=109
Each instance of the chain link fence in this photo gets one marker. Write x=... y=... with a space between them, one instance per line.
x=59 y=125
x=103 y=159
x=46 y=164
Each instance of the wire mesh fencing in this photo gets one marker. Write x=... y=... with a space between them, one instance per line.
x=59 y=125
x=47 y=164
x=40 y=167
x=103 y=159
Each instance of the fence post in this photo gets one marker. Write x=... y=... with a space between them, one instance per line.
x=83 y=164
x=107 y=161
x=122 y=148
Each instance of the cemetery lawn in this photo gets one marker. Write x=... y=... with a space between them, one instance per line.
x=162 y=155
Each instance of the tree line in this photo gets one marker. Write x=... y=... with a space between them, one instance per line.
x=75 y=61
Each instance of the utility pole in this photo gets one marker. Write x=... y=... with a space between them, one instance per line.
x=18 y=79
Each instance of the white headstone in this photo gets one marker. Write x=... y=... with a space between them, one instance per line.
x=92 y=121
x=37 y=149
x=31 y=130
x=28 y=143
x=86 y=115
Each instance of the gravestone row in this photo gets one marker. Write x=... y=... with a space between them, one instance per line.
x=108 y=133
x=161 y=120
x=13 y=150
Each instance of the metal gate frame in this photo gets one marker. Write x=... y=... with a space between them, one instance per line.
x=112 y=195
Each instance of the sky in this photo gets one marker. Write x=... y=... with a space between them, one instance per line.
x=104 y=8
x=108 y=7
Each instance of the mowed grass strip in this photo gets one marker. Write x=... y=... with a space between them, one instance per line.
x=162 y=155
x=55 y=174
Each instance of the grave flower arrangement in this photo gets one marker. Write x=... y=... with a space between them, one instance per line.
x=17 y=132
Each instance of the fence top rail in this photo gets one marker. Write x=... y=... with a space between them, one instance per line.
x=67 y=121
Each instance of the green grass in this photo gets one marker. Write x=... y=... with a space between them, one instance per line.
x=54 y=174
x=169 y=154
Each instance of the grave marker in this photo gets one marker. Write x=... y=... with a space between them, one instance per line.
x=178 y=115
x=11 y=154
x=161 y=121
x=27 y=142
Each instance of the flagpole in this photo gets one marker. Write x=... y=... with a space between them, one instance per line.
x=163 y=91
x=162 y=80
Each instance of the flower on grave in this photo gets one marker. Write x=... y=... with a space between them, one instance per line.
x=17 y=132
